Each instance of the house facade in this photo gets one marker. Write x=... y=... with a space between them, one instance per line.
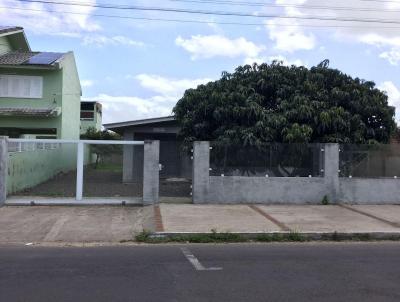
x=91 y=116
x=174 y=162
x=40 y=92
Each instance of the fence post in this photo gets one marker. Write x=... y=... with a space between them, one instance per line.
x=151 y=170
x=3 y=169
x=201 y=168
x=79 y=171
x=331 y=170
x=127 y=174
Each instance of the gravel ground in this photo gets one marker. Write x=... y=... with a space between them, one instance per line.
x=102 y=183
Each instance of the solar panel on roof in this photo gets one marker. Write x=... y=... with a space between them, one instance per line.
x=44 y=58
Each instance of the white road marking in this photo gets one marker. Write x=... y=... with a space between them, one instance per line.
x=195 y=262
x=55 y=229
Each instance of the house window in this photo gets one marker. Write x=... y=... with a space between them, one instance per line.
x=87 y=115
x=13 y=86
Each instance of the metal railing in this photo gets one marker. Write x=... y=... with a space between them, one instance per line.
x=22 y=144
x=30 y=146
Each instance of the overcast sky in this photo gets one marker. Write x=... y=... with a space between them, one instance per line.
x=140 y=68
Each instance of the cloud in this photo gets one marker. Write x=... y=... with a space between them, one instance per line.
x=169 y=87
x=394 y=96
x=384 y=36
x=270 y=59
x=290 y=37
x=288 y=34
x=205 y=47
x=101 y=40
x=47 y=18
x=87 y=83
x=392 y=56
x=286 y=61
x=166 y=93
x=125 y=108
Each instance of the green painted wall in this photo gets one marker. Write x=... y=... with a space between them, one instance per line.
x=30 y=168
x=61 y=88
x=5 y=45
x=71 y=98
x=52 y=97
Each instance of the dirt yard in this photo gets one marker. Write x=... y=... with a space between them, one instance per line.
x=102 y=183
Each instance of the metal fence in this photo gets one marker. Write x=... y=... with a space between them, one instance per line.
x=369 y=161
x=267 y=160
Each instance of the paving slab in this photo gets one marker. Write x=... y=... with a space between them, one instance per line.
x=70 y=224
x=387 y=212
x=325 y=218
x=222 y=218
x=26 y=224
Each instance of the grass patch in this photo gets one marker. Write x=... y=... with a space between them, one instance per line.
x=281 y=237
x=108 y=167
x=350 y=237
x=216 y=237
x=212 y=237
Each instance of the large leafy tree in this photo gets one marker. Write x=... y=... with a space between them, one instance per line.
x=277 y=103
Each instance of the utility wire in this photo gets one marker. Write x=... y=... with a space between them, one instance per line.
x=321 y=26
x=380 y=1
x=215 y=13
x=306 y=7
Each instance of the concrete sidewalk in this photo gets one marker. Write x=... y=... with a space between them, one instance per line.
x=115 y=224
x=279 y=218
x=73 y=224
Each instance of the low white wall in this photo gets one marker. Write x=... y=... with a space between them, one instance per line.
x=238 y=189
x=290 y=190
x=369 y=190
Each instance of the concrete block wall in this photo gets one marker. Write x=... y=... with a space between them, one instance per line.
x=294 y=190
x=151 y=171
x=3 y=169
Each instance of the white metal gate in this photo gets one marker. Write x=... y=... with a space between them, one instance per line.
x=35 y=146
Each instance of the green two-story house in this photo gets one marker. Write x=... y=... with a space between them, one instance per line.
x=40 y=92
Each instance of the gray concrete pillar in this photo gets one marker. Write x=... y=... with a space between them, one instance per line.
x=3 y=169
x=331 y=170
x=127 y=162
x=201 y=171
x=151 y=172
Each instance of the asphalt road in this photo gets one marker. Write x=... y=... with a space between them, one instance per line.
x=241 y=272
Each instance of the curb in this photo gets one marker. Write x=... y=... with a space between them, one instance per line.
x=307 y=236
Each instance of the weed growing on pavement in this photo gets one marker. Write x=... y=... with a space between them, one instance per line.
x=281 y=237
x=325 y=200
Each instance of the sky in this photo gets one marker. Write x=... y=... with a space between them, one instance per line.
x=139 y=68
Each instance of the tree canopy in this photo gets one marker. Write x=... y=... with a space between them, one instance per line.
x=289 y=104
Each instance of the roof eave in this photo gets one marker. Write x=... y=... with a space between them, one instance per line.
x=41 y=67
x=111 y=126
x=7 y=33
x=21 y=38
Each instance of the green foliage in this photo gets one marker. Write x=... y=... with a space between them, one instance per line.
x=276 y=103
x=217 y=237
x=281 y=237
x=325 y=200
x=102 y=151
x=94 y=134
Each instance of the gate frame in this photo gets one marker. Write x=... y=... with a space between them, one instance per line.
x=151 y=164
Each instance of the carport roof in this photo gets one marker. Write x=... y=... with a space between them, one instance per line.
x=113 y=126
